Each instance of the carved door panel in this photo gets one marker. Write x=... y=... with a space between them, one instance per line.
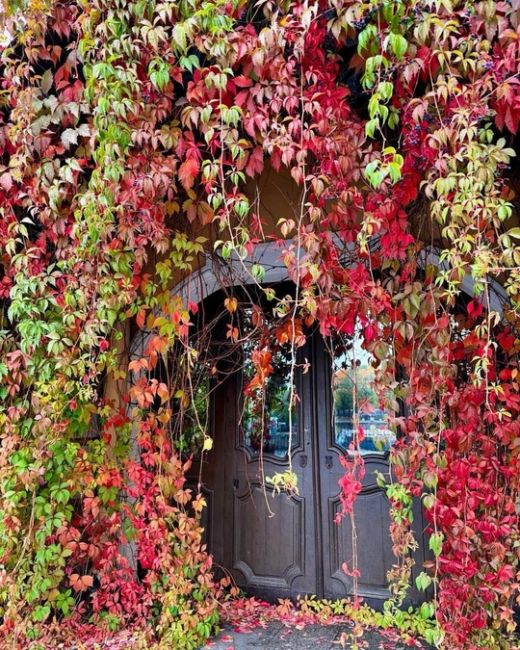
x=272 y=536
x=345 y=399
x=361 y=541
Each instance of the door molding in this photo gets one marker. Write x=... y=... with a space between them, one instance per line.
x=296 y=566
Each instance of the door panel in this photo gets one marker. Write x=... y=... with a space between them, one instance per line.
x=272 y=533
x=368 y=529
x=374 y=548
x=259 y=521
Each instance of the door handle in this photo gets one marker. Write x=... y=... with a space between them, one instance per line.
x=303 y=460
x=328 y=462
x=236 y=483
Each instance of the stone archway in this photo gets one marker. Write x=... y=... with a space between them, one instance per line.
x=240 y=532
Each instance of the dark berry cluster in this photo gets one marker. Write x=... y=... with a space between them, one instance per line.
x=465 y=17
x=413 y=135
x=359 y=25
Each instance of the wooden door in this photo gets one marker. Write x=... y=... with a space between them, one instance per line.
x=363 y=539
x=265 y=538
x=284 y=545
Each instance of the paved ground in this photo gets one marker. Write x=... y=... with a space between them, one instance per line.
x=313 y=637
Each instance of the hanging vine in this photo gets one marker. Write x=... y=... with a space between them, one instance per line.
x=133 y=136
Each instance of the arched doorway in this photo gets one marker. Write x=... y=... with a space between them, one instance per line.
x=288 y=544
x=283 y=543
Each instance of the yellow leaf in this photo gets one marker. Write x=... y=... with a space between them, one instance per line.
x=231 y=304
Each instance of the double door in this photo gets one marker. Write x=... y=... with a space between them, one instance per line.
x=279 y=539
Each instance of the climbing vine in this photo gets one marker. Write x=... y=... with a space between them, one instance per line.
x=134 y=137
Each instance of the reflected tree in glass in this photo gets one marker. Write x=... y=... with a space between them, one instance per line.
x=356 y=402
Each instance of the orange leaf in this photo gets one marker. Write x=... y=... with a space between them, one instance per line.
x=136 y=365
x=231 y=304
x=141 y=314
x=80 y=583
x=232 y=332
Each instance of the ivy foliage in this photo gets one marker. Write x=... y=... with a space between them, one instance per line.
x=131 y=133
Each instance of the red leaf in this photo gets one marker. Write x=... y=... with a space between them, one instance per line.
x=188 y=172
x=255 y=163
x=475 y=308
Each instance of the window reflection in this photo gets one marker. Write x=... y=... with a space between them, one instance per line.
x=356 y=402
x=265 y=419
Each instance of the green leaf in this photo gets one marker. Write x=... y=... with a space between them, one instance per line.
x=394 y=169
x=435 y=543
x=427 y=610
x=385 y=90
x=41 y=613
x=179 y=37
x=423 y=581
x=398 y=45
x=371 y=126
x=258 y=272
x=368 y=34
x=393 y=119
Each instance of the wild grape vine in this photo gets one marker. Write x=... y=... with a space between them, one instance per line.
x=131 y=134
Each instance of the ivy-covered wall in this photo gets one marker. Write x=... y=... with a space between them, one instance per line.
x=136 y=135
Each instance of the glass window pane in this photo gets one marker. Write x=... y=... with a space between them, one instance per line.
x=356 y=403
x=265 y=419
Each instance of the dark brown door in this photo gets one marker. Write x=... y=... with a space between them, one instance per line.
x=362 y=541
x=283 y=544
x=269 y=536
